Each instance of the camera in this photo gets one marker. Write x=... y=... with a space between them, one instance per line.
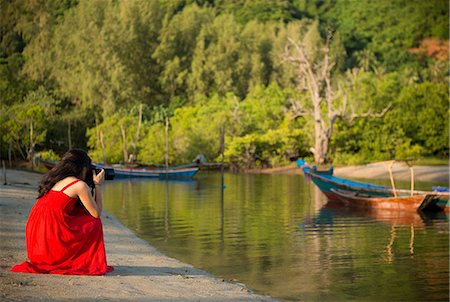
x=109 y=172
x=96 y=169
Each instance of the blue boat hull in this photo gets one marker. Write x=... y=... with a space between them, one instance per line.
x=328 y=184
x=157 y=173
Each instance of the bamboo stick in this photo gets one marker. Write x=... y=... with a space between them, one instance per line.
x=392 y=177
x=412 y=180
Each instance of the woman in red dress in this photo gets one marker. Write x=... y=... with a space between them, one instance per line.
x=64 y=232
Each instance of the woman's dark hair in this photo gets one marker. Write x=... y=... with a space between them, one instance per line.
x=74 y=163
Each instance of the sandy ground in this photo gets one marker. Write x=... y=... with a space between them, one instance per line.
x=400 y=171
x=435 y=174
x=141 y=272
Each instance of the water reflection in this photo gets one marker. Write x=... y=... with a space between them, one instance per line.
x=280 y=236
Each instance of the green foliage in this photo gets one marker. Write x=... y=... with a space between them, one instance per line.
x=24 y=125
x=389 y=28
x=425 y=120
x=107 y=140
x=197 y=129
x=94 y=53
x=271 y=149
x=49 y=155
x=260 y=10
x=216 y=59
x=266 y=136
x=416 y=126
x=13 y=87
x=178 y=38
x=68 y=66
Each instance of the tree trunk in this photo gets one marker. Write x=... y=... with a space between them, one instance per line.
x=320 y=147
x=317 y=81
x=69 y=135
x=124 y=144
x=9 y=153
x=102 y=144
x=138 y=132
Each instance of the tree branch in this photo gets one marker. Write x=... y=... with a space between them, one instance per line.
x=298 y=111
x=370 y=114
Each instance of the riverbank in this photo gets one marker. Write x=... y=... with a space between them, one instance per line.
x=141 y=272
x=434 y=174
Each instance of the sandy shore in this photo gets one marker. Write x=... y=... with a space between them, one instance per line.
x=400 y=171
x=434 y=174
x=141 y=272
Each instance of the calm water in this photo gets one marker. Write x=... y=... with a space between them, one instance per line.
x=280 y=237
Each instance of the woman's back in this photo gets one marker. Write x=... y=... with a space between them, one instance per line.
x=61 y=197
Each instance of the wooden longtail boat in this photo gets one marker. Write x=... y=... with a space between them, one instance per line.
x=420 y=202
x=331 y=185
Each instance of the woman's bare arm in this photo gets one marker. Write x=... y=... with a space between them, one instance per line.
x=84 y=193
x=93 y=205
x=98 y=180
x=99 y=197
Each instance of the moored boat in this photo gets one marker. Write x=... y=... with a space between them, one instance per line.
x=422 y=202
x=336 y=187
x=185 y=171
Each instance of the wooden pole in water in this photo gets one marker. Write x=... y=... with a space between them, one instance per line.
x=222 y=184
x=222 y=147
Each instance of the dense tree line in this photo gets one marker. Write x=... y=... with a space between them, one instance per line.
x=106 y=75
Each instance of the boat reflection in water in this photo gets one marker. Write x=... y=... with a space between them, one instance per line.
x=400 y=221
x=394 y=217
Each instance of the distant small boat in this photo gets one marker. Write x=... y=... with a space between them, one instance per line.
x=345 y=190
x=185 y=171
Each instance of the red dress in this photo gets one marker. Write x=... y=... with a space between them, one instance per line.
x=63 y=238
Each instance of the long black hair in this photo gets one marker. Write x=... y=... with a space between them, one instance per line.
x=74 y=163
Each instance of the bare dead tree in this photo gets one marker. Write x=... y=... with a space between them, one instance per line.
x=315 y=77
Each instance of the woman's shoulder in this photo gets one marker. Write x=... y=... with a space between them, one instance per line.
x=68 y=182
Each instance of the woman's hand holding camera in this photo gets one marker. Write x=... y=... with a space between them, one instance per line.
x=98 y=178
